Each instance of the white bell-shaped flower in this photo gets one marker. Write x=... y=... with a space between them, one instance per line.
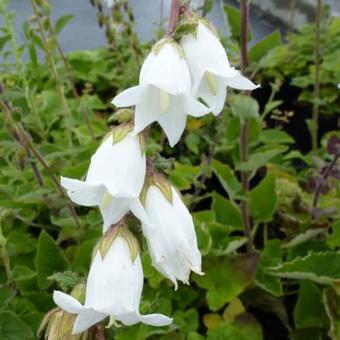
x=163 y=93
x=114 y=287
x=170 y=233
x=116 y=174
x=210 y=69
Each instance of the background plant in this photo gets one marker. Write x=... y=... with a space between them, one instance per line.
x=286 y=287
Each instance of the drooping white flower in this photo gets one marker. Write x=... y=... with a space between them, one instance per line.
x=114 y=287
x=170 y=233
x=210 y=69
x=116 y=174
x=163 y=93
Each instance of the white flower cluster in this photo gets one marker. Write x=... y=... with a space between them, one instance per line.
x=176 y=80
x=175 y=76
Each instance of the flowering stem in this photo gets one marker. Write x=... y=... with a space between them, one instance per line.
x=70 y=77
x=316 y=104
x=245 y=127
x=27 y=141
x=16 y=136
x=60 y=87
x=19 y=68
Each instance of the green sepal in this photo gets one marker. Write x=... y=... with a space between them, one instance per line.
x=106 y=241
x=124 y=115
x=131 y=241
x=120 y=132
x=161 y=183
x=79 y=291
x=164 y=186
x=142 y=142
x=45 y=321
x=160 y=44
x=123 y=231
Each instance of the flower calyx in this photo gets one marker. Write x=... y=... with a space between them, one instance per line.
x=119 y=230
x=156 y=48
x=121 y=131
x=187 y=24
x=124 y=115
x=79 y=291
x=159 y=181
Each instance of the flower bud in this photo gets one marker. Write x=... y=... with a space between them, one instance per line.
x=57 y=325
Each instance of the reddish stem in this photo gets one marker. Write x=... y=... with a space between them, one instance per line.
x=245 y=127
x=244 y=34
x=174 y=15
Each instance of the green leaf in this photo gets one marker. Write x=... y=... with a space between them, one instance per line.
x=227 y=212
x=13 y=328
x=246 y=328
x=82 y=256
x=274 y=136
x=227 y=178
x=271 y=256
x=304 y=237
x=226 y=277
x=49 y=259
x=309 y=311
x=245 y=107
x=25 y=279
x=323 y=268
x=260 y=49
x=263 y=200
x=334 y=239
x=332 y=305
x=234 y=21
x=186 y=321
x=66 y=280
x=184 y=175
x=259 y=159
x=62 y=22
x=306 y=334
x=3 y=40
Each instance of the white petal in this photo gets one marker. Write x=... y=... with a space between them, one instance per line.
x=194 y=108
x=83 y=193
x=113 y=211
x=114 y=283
x=129 y=97
x=148 y=109
x=240 y=82
x=138 y=210
x=150 y=319
x=204 y=52
x=67 y=302
x=216 y=100
x=174 y=120
x=166 y=70
x=119 y=167
x=86 y=319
